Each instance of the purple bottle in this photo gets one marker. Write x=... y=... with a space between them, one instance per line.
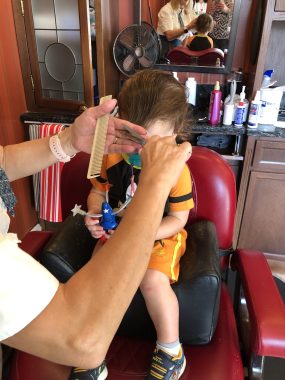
x=215 y=105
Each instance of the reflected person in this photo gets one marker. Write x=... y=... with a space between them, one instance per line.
x=200 y=7
x=221 y=11
x=175 y=21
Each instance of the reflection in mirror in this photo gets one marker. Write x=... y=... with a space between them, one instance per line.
x=215 y=58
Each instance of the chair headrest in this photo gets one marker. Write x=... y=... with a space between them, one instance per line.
x=214 y=192
x=183 y=55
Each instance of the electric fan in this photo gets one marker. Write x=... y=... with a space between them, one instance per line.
x=136 y=47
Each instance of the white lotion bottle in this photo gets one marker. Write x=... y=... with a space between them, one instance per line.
x=191 y=87
x=254 y=112
x=228 y=113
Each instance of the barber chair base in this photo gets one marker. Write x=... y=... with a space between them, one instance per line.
x=129 y=359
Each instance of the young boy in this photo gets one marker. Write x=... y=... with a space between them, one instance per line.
x=155 y=100
x=201 y=40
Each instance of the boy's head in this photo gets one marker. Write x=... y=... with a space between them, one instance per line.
x=204 y=23
x=153 y=97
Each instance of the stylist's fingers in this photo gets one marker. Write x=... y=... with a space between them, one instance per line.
x=81 y=132
x=102 y=109
x=119 y=140
x=163 y=159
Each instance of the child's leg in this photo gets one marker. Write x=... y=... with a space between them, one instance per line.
x=168 y=361
x=162 y=306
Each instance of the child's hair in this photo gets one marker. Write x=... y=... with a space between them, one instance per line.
x=151 y=95
x=204 y=23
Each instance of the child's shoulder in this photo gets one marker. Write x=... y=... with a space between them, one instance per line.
x=112 y=159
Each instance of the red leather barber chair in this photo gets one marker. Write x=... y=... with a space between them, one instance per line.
x=181 y=55
x=212 y=348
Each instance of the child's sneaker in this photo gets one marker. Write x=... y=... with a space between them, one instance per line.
x=98 y=373
x=165 y=366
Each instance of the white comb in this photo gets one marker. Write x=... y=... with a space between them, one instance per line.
x=99 y=142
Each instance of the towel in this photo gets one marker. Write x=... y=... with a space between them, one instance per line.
x=50 y=200
x=34 y=134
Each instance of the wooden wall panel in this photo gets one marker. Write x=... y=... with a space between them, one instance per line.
x=12 y=100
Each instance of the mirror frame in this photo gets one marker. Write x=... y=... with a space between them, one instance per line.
x=211 y=69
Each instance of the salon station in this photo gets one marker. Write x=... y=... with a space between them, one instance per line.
x=60 y=57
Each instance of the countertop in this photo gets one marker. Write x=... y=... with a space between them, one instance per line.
x=199 y=127
x=262 y=130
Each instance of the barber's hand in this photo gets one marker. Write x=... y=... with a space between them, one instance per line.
x=79 y=136
x=192 y=24
x=163 y=160
x=221 y=6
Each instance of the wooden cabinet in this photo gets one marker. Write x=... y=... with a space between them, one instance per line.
x=261 y=204
x=268 y=42
x=55 y=51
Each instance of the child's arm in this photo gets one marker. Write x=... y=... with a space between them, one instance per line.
x=94 y=204
x=171 y=224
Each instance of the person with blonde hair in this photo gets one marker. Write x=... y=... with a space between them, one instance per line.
x=66 y=323
x=200 y=6
x=175 y=21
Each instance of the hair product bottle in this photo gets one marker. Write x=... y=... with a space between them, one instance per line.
x=239 y=114
x=215 y=105
x=254 y=111
x=191 y=86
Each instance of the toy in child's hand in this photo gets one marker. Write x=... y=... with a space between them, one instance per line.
x=108 y=220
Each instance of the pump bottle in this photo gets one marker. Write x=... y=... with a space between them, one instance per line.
x=215 y=105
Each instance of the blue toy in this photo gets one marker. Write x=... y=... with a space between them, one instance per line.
x=108 y=220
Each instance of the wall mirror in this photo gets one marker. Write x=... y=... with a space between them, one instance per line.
x=155 y=5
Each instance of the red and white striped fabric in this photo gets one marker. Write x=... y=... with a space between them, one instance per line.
x=50 y=201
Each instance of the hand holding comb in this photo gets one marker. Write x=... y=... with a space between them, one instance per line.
x=99 y=141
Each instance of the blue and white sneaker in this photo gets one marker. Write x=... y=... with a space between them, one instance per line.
x=165 y=366
x=98 y=373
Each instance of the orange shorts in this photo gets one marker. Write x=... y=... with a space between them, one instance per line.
x=166 y=255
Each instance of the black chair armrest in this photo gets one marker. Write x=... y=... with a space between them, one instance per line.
x=69 y=248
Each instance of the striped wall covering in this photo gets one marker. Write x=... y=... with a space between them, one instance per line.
x=50 y=201
x=34 y=133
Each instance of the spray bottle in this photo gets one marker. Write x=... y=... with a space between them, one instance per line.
x=267 y=79
x=215 y=105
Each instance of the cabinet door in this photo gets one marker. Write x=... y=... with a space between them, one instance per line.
x=269 y=156
x=262 y=226
x=58 y=48
x=280 y=6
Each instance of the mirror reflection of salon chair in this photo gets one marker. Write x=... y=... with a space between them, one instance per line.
x=181 y=55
